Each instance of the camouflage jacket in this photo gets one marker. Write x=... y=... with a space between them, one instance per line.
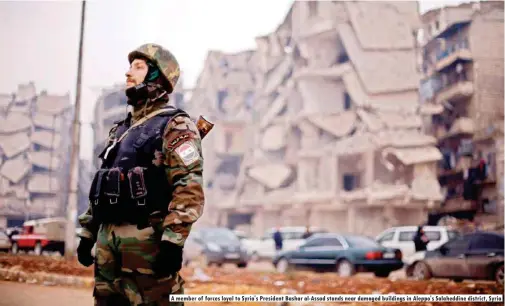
x=184 y=172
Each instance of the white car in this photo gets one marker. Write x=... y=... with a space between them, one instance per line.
x=402 y=238
x=264 y=247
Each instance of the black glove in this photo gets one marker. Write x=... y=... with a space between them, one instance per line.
x=169 y=259
x=84 y=252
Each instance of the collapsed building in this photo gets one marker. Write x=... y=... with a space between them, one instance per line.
x=320 y=124
x=34 y=154
x=462 y=106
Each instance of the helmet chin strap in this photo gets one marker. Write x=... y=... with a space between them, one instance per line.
x=139 y=94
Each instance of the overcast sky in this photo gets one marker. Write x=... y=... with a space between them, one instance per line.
x=39 y=39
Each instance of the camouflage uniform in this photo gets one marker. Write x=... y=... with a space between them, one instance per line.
x=124 y=254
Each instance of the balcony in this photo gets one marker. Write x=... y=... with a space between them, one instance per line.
x=454 y=92
x=458 y=204
x=461 y=127
x=456 y=52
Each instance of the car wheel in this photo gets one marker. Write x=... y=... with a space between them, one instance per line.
x=283 y=266
x=421 y=271
x=382 y=274
x=242 y=264
x=15 y=248
x=37 y=249
x=345 y=268
x=498 y=275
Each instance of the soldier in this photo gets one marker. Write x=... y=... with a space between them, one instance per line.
x=148 y=192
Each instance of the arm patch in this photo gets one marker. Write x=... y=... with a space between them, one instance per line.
x=188 y=153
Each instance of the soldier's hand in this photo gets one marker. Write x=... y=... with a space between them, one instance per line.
x=169 y=259
x=84 y=252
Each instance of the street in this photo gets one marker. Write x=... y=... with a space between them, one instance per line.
x=22 y=294
x=32 y=288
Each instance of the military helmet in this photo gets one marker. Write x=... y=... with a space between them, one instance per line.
x=163 y=58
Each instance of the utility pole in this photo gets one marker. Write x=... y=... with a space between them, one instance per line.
x=74 y=153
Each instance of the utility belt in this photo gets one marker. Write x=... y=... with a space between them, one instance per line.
x=119 y=196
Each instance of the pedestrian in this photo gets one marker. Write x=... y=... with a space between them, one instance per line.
x=278 y=239
x=420 y=239
x=307 y=233
x=148 y=192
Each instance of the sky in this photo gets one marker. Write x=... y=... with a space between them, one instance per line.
x=40 y=40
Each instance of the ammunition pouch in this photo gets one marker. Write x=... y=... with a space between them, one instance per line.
x=122 y=197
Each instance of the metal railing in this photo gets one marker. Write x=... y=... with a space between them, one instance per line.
x=452 y=48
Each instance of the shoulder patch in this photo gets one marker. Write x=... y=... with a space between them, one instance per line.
x=174 y=142
x=188 y=153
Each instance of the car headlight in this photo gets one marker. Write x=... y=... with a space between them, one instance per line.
x=213 y=247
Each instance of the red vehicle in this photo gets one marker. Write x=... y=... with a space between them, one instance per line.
x=41 y=235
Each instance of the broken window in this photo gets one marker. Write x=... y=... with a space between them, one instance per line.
x=342 y=58
x=228 y=141
x=221 y=96
x=249 y=100
x=350 y=181
x=347 y=101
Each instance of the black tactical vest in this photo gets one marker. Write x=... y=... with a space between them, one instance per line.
x=129 y=186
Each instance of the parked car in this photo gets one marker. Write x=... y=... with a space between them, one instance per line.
x=5 y=242
x=345 y=254
x=240 y=234
x=264 y=247
x=402 y=238
x=214 y=246
x=40 y=235
x=477 y=255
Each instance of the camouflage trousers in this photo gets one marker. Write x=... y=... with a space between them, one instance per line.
x=123 y=268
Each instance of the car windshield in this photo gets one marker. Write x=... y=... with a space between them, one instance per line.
x=361 y=242
x=220 y=234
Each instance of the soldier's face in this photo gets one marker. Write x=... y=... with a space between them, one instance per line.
x=137 y=73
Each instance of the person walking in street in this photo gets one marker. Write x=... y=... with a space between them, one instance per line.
x=420 y=239
x=278 y=239
x=307 y=233
x=148 y=192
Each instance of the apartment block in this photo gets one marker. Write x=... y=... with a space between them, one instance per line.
x=462 y=101
x=323 y=126
x=34 y=154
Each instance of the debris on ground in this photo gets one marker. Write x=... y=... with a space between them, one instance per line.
x=214 y=280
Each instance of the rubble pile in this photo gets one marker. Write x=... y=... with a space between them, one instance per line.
x=55 y=265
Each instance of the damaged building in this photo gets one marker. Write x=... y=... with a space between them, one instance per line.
x=462 y=107
x=320 y=125
x=34 y=146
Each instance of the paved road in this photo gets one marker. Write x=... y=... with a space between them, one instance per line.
x=22 y=294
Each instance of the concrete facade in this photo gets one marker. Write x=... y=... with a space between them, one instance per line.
x=34 y=154
x=462 y=98
x=320 y=125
